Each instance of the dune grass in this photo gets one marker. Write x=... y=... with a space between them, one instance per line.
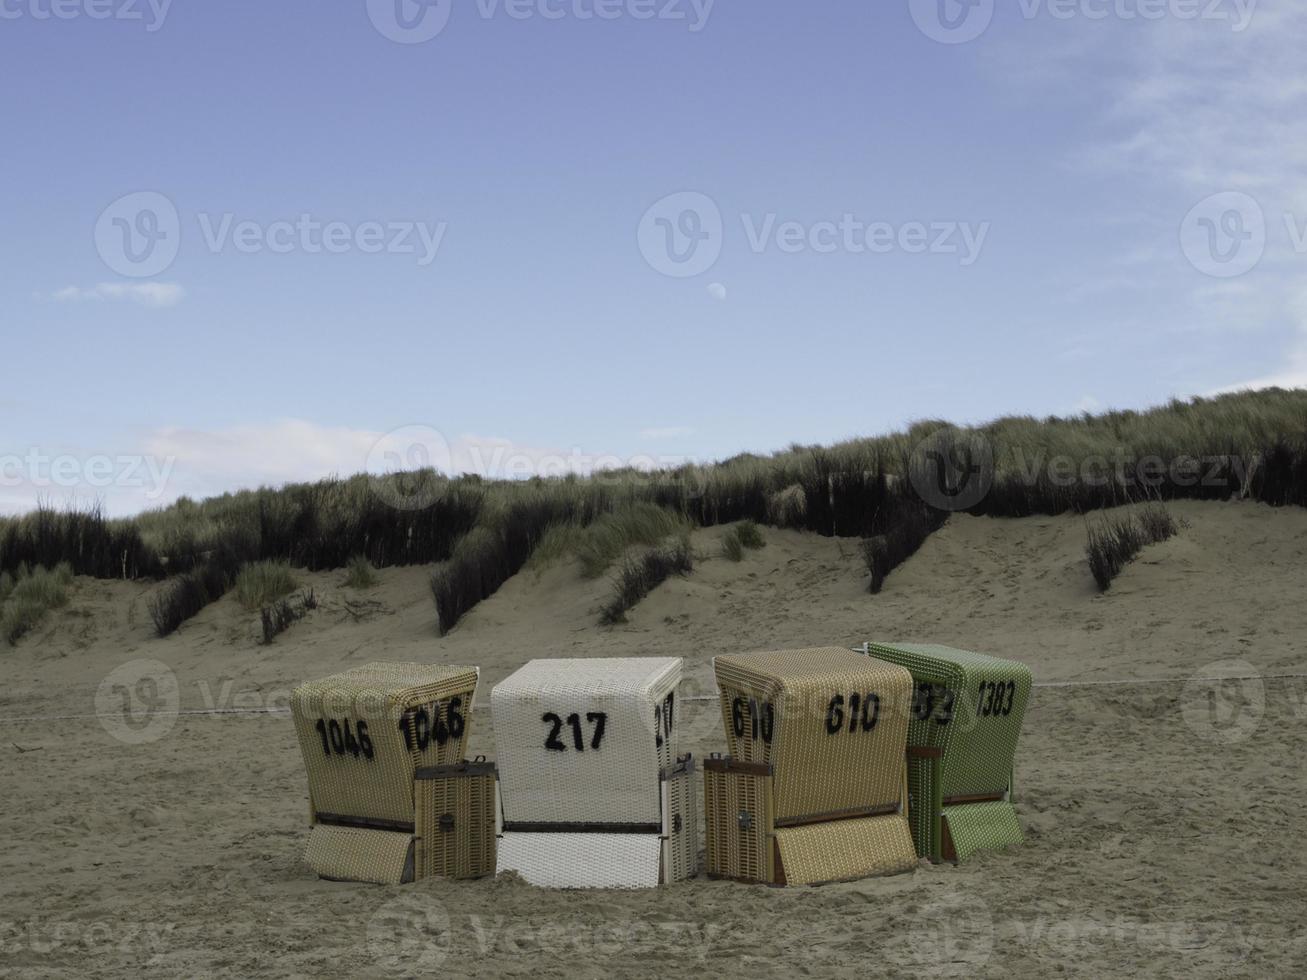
x=281 y=615
x=639 y=576
x=260 y=583
x=28 y=594
x=360 y=574
x=741 y=536
x=1116 y=540
x=1250 y=444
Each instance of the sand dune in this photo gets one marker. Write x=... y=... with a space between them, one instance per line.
x=1160 y=835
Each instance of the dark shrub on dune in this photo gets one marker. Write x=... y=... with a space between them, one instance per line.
x=640 y=576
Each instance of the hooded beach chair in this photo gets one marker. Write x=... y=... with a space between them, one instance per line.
x=814 y=788
x=967 y=712
x=371 y=738
x=592 y=791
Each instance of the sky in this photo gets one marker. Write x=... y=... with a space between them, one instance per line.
x=250 y=242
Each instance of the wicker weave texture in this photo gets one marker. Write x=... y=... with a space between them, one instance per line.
x=680 y=824
x=566 y=860
x=456 y=825
x=739 y=814
x=837 y=850
x=584 y=741
x=832 y=724
x=351 y=854
x=969 y=705
x=982 y=827
x=364 y=733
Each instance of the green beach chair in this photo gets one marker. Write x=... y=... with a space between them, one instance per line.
x=962 y=739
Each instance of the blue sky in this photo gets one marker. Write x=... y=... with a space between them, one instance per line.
x=1027 y=206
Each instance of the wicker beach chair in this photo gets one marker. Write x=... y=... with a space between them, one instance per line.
x=967 y=712
x=814 y=788
x=593 y=793
x=365 y=734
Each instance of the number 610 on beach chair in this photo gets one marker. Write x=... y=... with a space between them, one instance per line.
x=814 y=788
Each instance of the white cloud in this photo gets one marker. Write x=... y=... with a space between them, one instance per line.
x=667 y=432
x=153 y=294
x=1192 y=109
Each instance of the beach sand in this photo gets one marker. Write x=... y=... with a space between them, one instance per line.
x=1163 y=811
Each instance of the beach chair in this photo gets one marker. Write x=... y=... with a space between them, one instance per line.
x=967 y=712
x=592 y=791
x=814 y=788
x=370 y=736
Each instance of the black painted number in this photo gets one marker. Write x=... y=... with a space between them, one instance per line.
x=996 y=698
x=340 y=738
x=862 y=714
x=597 y=720
x=762 y=719
x=933 y=701
x=663 y=719
x=437 y=723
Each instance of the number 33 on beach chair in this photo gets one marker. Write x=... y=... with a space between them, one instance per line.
x=966 y=718
x=593 y=793
x=390 y=797
x=814 y=789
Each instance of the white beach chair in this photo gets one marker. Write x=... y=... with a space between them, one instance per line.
x=592 y=791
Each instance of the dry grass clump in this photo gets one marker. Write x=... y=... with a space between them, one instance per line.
x=263 y=582
x=360 y=574
x=284 y=613
x=740 y=536
x=639 y=576
x=1114 y=541
x=26 y=595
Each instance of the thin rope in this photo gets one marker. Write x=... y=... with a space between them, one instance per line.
x=697 y=698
